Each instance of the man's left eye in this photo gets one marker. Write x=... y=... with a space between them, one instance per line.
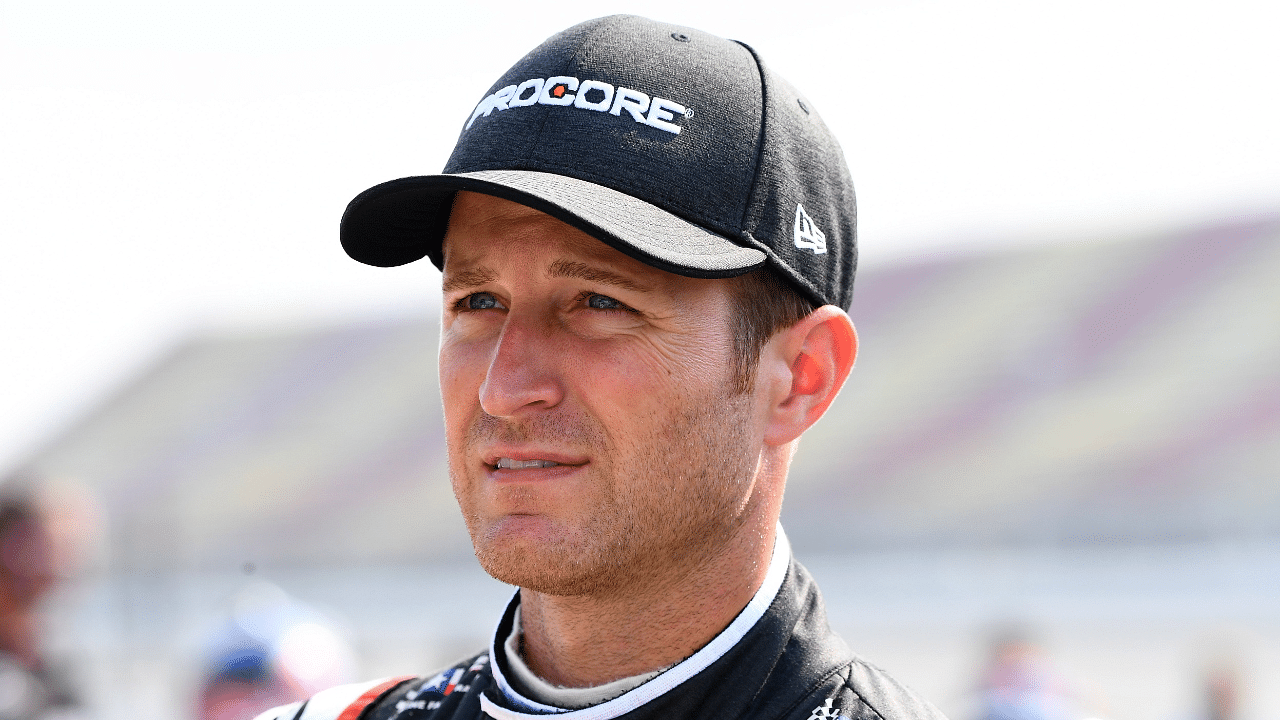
x=604 y=302
x=480 y=301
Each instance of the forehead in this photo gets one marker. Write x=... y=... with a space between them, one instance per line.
x=483 y=229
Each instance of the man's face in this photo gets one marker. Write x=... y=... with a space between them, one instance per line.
x=595 y=439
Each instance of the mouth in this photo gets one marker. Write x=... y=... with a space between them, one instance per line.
x=512 y=462
x=507 y=463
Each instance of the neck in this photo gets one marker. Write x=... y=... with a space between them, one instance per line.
x=587 y=640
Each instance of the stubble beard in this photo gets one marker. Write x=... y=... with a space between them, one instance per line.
x=666 y=509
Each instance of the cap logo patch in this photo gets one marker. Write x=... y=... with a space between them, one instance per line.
x=594 y=95
x=806 y=235
x=826 y=712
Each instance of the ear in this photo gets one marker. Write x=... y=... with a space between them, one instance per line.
x=817 y=354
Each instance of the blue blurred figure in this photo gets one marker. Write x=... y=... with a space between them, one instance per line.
x=272 y=650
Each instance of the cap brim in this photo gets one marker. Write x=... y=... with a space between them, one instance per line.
x=404 y=220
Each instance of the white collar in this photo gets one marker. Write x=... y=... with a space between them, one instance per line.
x=555 y=695
x=667 y=680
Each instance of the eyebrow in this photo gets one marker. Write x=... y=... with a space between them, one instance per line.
x=476 y=277
x=582 y=271
x=468 y=279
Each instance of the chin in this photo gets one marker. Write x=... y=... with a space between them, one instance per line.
x=532 y=571
x=536 y=557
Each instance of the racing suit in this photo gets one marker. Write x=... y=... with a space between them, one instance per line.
x=778 y=660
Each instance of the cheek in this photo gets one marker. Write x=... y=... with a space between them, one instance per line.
x=690 y=361
x=623 y=381
x=462 y=367
x=459 y=399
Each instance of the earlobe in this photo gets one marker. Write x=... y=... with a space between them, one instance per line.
x=819 y=351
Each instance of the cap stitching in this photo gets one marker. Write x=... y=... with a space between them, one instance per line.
x=747 y=210
x=569 y=64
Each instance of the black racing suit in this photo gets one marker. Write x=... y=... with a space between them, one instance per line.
x=788 y=666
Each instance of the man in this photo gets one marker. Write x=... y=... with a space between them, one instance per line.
x=647 y=241
x=29 y=687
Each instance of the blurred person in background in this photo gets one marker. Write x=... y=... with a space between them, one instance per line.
x=1224 y=680
x=648 y=248
x=1222 y=693
x=269 y=650
x=29 y=688
x=1020 y=683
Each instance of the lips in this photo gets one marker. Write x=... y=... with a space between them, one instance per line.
x=530 y=459
x=511 y=464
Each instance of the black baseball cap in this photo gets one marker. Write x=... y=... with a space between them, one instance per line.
x=674 y=146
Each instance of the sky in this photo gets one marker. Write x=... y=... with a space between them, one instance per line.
x=175 y=168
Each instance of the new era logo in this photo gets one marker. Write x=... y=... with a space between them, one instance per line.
x=826 y=712
x=807 y=235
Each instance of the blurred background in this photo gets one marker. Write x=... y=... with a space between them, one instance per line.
x=1050 y=491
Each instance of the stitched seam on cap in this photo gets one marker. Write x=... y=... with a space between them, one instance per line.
x=569 y=64
x=760 y=142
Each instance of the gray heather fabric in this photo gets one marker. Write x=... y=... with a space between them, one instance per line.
x=650 y=230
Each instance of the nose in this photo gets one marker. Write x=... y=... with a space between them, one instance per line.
x=521 y=376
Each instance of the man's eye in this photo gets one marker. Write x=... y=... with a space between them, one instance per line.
x=604 y=302
x=480 y=301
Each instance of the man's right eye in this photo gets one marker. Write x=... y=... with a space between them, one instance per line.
x=480 y=301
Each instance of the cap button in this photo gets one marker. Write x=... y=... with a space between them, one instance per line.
x=680 y=36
